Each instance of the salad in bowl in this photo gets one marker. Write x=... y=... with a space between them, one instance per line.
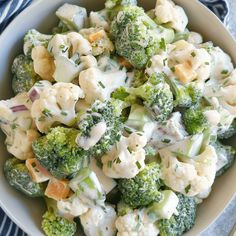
x=119 y=120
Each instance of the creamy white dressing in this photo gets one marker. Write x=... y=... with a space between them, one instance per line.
x=97 y=131
x=107 y=183
x=172 y=132
x=71 y=207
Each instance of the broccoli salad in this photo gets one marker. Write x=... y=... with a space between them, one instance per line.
x=119 y=120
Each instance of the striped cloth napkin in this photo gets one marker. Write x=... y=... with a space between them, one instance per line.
x=11 y=8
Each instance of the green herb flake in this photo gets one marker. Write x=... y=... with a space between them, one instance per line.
x=224 y=72
x=118 y=161
x=193 y=54
x=128 y=130
x=109 y=164
x=47 y=112
x=166 y=140
x=164 y=62
x=187 y=188
x=64 y=113
x=129 y=149
x=34 y=164
x=138 y=165
x=162 y=44
x=101 y=84
x=172 y=69
x=14 y=126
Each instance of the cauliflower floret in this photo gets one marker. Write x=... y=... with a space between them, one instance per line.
x=99 y=40
x=56 y=103
x=191 y=177
x=99 y=221
x=223 y=92
x=136 y=223
x=97 y=84
x=167 y=12
x=69 y=44
x=221 y=63
x=59 y=45
x=71 y=207
x=169 y=133
x=72 y=53
x=18 y=125
x=189 y=62
x=126 y=159
x=43 y=63
x=79 y=44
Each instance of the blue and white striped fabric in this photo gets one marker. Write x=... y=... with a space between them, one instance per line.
x=8 y=10
x=7 y=227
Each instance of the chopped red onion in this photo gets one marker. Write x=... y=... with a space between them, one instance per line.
x=34 y=95
x=19 y=108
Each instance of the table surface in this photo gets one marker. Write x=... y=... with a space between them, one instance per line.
x=227 y=221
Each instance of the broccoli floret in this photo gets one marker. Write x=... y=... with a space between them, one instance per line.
x=19 y=177
x=143 y=188
x=225 y=134
x=55 y=225
x=156 y=95
x=101 y=112
x=123 y=208
x=59 y=153
x=195 y=121
x=185 y=95
x=109 y=4
x=24 y=74
x=183 y=222
x=137 y=37
x=225 y=156
x=34 y=38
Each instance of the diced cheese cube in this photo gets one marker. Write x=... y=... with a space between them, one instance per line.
x=185 y=73
x=57 y=189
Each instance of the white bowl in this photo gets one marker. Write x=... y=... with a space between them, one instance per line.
x=27 y=212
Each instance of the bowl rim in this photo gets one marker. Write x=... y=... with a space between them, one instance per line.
x=33 y=5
